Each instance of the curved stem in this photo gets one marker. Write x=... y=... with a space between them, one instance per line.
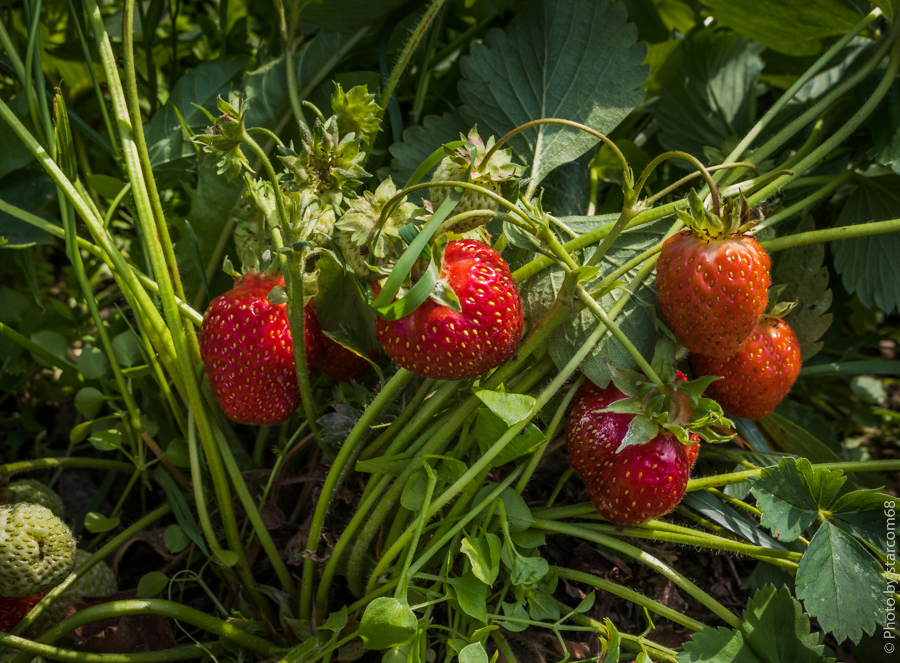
x=291 y=76
x=687 y=178
x=645 y=558
x=171 y=609
x=620 y=336
x=740 y=477
x=43 y=463
x=629 y=595
x=355 y=438
x=783 y=100
x=831 y=235
x=32 y=649
x=551 y=433
x=629 y=179
x=417 y=35
x=675 y=154
x=833 y=183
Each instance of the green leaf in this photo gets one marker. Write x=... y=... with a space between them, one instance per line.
x=515 y=610
x=15 y=154
x=840 y=584
x=387 y=622
x=807 y=283
x=80 y=432
x=88 y=401
x=227 y=557
x=868 y=265
x=92 y=363
x=175 y=539
x=414 y=492
x=769 y=612
x=527 y=570
x=641 y=430
x=518 y=515
x=96 y=522
x=512 y=408
x=529 y=538
x=709 y=93
x=791 y=495
x=418 y=143
x=714 y=509
x=484 y=556
x=30 y=190
x=531 y=69
x=797 y=440
x=106 y=440
x=151 y=584
x=471 y=594
x=212 y=202
x=542 y=605
x=50 y=341
x=185 y=516
x=794 y=27
x=127 y=349
x=489 y=428
x=178 y=453
x=611 y=647
x=338 y=304
x=865 y=514
x=586 y=603
x=392 y=465
x=473 y=653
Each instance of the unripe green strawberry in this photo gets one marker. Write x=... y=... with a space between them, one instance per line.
x=33 y=492
x=37 y=550
x=99 y=581
x=491 y=176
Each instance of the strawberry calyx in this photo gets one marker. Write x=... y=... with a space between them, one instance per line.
x=681 y=410
x=734 y=218
x=775 y=309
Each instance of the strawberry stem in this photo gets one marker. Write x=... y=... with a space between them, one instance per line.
x=831 y=235
x=626 y=169
x=582 y=532
x=675 y=154
x=620 y=336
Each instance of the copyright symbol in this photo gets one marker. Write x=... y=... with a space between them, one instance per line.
x=889 y=648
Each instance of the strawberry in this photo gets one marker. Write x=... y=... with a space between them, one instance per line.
x=759 y=376
x=339 y=363
x=37 y=550
x=12 y=610
x=712 y=283
x=490 y=176
x=633 y=484
x=98 y=581
x=245 y=344
x=33 y=492
x=437 y=342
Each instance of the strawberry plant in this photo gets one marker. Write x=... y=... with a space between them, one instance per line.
x=539 y=411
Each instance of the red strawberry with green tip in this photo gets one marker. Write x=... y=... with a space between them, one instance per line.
x=756 y=378
x=438 y=342
x=246 y=347
x=712 y=281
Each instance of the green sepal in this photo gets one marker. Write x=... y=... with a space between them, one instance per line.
x=641 y=430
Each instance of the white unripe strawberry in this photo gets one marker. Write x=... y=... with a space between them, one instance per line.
x=37 y=550
x=99 y=581
x=33 y=492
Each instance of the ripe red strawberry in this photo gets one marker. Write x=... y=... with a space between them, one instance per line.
x=338 y=363
x=438 y=342
x=12 y=610
x=712 y=290
x=639 y=483
x=758 y=377
x=245 y=344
